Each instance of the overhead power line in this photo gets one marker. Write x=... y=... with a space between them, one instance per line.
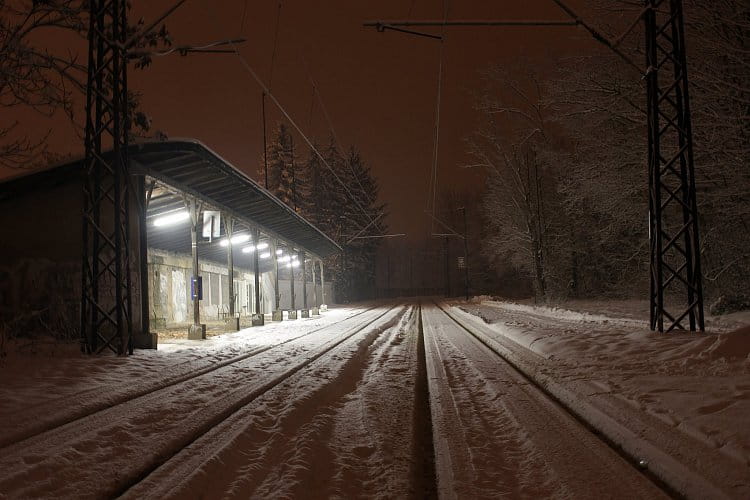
x=299 y=131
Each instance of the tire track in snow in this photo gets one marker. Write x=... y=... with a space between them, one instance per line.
x=135 y=437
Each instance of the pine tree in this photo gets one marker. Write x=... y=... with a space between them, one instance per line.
x=340 y=197
x=280 y=165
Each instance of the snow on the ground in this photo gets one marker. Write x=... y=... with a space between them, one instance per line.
x=41 y=373
x=485 y=412
x=698 y=384
x=340 y=428
x=331 y=426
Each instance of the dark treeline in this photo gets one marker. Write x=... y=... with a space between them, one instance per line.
x=566 y=200
x=340 y=197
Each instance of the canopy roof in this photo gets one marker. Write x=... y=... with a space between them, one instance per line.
x=188 y=166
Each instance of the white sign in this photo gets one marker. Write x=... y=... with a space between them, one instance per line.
x=211 y=223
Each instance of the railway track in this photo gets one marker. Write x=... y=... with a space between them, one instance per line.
x=497 y=432
x=130 y=432
x=37 y=419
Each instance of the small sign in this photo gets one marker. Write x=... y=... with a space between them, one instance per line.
x=461 y=263
x=211 y=223
x=196 y=288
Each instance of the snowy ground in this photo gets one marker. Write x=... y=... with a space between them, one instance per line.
x=350 y=404
x=686 y=394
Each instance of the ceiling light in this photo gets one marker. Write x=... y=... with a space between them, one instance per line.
x=172 y=218
x=279 y=251
x=265 y=255
x=249 y=249
x=262 y=246
x=240 y=238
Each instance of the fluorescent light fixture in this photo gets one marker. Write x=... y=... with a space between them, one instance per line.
x=295 y=263
x=265 y=255
x=172 y=218
x=249 y=249
x=262 y=246
x=285 y=258
x=240 y=238
x=289 y=266
x=279 y=251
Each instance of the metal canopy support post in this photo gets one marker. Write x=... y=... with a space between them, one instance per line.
x=305 y=309
x=232 y=321
x=673 y=210
x=197 y=331
x=106 y=306
x=323 y=305
x=277 y=314
x=293 y=307
x=147 y=338
x=258 y=318
x=315 y=310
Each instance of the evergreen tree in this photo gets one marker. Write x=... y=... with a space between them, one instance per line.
x=280 y=157
x=340 y=197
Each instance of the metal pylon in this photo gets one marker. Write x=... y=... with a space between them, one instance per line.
x=673 y=210
x=106 y=281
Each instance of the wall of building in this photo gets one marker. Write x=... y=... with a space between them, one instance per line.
x=169 y=290
x=41 y=253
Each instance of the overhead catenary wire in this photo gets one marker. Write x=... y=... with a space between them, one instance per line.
x=329 y=122
x=263 y=95
x=275 y=43
x=436 y=140
x=293 y=123
x=242 y=19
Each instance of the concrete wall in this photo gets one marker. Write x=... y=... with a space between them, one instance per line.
x=169 y=290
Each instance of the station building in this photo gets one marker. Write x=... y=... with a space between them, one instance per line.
x=183 y=193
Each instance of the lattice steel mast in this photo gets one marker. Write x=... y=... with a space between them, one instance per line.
x=673 y=209
x=106 y=319
x=675 y=268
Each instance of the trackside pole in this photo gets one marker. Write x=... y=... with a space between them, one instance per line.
x=323 y=306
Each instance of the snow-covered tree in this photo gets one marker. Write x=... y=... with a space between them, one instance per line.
x=342 y=201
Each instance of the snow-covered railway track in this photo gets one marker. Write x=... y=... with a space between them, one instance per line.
x=105 y=453
x=342 y=427
x=46 y=416
x=496 y=433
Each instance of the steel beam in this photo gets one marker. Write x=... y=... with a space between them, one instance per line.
x=106 y=305
x=675 y=270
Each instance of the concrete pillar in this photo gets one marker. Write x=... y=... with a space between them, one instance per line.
x=197 y=330
x=258 y=318
x=277 y=314
x=232 y=321
x=323 y=306
x=293 y=308
x=305 y=309
x=315 y=310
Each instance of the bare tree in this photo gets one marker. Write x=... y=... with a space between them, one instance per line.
x=519 y=183
x=47 y=81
